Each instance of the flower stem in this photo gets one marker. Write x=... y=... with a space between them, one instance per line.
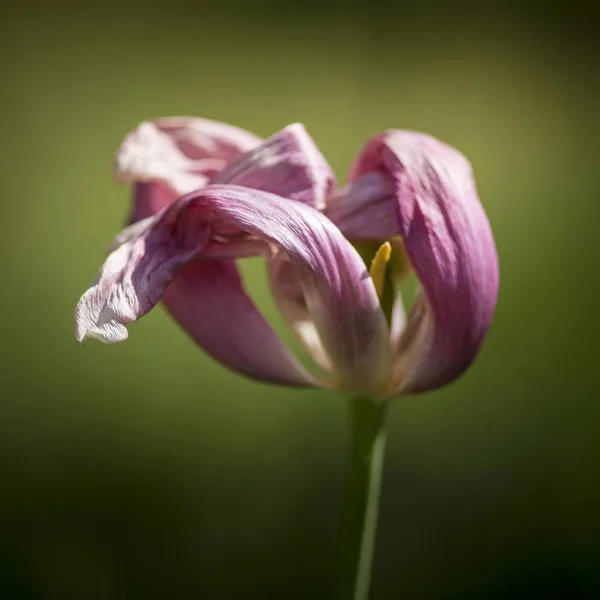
x=361 y=498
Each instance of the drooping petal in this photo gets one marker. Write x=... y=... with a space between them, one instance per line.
x=224 y=321
x=146 y=257
x=450 y=245
x=288 y=164
x=206 y=297
x=340 y=296
x=169 y=157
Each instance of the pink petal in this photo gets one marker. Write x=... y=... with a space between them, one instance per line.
x=203 y=138
x=398 y=323
x=288 y=164
x=366 y=209
x=340 y=297
x=208 y=300
x=289 y=297
x=150 y=198
x=169 y=157
x=147 y=256
x=150 y=154
x=450 y=244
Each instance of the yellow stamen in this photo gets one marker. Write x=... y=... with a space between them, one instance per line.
x=379 y=265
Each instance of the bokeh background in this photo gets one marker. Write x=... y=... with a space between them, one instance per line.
x=147 y=471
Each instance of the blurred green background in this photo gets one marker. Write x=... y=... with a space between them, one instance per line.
x=147 y=471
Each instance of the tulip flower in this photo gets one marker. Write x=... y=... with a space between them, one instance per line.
x=206 y=194
x=216 y=193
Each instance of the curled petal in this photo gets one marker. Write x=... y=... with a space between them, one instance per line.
x=288 y=164
x=131 y=280
x=365 y=210
x=208 y=300
x=203 y=138
x=129 y=233
x=339 y=294
x=169 y=157
x=451 y=248
x=150 y=154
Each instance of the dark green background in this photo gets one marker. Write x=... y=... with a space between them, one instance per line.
x=145 y=470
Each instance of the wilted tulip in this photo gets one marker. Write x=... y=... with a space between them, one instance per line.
x=206 y=194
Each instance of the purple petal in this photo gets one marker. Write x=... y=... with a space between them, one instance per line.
x=450 y=244
x=288 y=164
x=366 y=209
x=203 y=138
x=150 y=154
x=131 y=280
x=170 y=157
x=286 y=288
x=339 y=294
x=208 y=300
x=150 y=198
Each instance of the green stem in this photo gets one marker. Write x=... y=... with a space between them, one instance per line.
x=361 y=498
